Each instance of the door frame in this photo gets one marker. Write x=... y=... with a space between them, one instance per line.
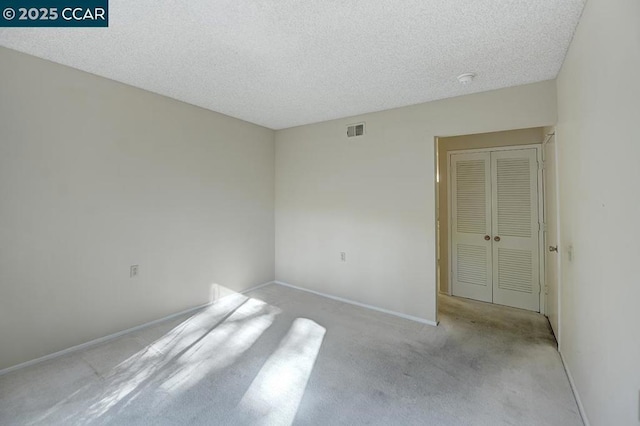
x=541 y=216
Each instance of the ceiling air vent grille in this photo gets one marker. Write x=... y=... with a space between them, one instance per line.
x=354 y=130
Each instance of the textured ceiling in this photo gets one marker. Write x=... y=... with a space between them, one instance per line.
x=290 y=62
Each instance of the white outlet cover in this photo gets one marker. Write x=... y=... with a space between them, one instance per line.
x=133 y=270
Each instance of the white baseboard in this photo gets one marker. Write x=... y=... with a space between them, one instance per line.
x=104 y=339
x=362 y=305
x=583 y=413
x=258 y=286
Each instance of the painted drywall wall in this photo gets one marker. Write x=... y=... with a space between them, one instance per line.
x=96 y=176
x=552 y=238
x=599 y=173
x=478 y=141
x=374 y=197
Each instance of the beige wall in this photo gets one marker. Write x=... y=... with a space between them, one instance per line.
x=374 y=197
x=96 y=176
x=483 y=140
x=598 y=142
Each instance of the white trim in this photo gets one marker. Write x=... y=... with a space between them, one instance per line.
x=109 y=337
x=362 y=305
x=438 y=266
x=583 y=413
x=257 y=287
x=449 y=228
x=542 y=271
x=497 y=148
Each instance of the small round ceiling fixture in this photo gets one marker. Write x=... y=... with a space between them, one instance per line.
x=466 y=78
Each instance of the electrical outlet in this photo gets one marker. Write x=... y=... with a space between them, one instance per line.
x=343 y=256
x=133 y=271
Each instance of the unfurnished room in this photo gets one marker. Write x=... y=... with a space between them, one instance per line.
x=419 y=212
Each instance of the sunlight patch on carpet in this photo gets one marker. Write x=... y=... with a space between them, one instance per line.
x=275 y=394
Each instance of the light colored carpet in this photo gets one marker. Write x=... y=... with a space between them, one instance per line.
x=279 y=356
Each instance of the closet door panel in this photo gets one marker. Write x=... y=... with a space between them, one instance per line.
x=515 y=224
x=471 y=255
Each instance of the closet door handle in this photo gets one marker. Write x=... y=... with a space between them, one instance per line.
x=496 y=239
x=487 y=238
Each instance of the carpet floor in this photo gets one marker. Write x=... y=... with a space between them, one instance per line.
x=278 y=356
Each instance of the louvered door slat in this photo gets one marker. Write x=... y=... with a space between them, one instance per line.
x=471 y=196
x=514 y=197
x=514 y=270
x=472 y=264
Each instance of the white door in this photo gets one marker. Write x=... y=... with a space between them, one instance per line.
x=516 y=268
x=471 y=226
x=494 y=227
x=552 y=269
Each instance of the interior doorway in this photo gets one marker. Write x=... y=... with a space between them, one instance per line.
x=490 y=217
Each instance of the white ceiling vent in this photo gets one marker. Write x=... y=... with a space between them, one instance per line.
x=354 y=130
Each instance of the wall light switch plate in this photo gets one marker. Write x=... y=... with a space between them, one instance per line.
x=343 y=256
x=133 y=271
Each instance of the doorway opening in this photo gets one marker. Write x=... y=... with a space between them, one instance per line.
x=490 y=218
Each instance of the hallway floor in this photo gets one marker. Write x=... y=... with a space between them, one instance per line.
x=278 y=356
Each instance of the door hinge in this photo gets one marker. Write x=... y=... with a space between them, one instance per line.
x=542 y=165
x=542 y=226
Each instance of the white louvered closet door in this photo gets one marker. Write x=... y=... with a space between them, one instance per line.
x=515 y=255
x=471 y=226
